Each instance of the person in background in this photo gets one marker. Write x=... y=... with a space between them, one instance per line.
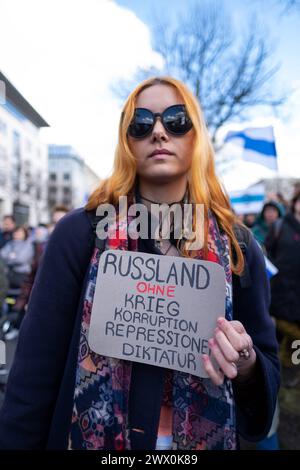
x=3 y=284
x=249 y=220
x=39 y=242
x=17 y=255
x=271 y=211
x=58 y=212
x=41 y=237
x=8 y=226
x=284 y=202
x=283 y=249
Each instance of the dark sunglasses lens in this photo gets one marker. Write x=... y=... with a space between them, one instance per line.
x=176 y=120
x=141 y=124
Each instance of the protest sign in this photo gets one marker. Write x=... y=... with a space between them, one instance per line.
x=159 y=310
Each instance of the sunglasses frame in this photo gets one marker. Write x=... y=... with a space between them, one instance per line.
x=161 y=115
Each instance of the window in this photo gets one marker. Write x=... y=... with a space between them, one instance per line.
x=66 y=202
x=52 y=191
x=66 y=191
x=66 y=176
x=53 y=176
x=16 y=144
x=3 y=127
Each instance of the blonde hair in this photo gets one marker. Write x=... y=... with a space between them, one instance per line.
x=204 y=186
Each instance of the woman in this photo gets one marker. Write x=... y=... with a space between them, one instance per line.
x=72 y=397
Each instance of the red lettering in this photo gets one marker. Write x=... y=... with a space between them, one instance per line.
x=141 y=287
x=147 y=287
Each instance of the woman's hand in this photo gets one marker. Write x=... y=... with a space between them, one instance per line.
x=232 y=348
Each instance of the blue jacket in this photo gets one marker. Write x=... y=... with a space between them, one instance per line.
x=38 y=405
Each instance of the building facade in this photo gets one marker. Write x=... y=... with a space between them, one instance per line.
x=70 y=179
x=23 y=159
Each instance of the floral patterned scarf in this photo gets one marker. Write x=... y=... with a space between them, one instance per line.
x=203 y=413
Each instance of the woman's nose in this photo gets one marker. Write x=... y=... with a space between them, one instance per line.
x=158 y=129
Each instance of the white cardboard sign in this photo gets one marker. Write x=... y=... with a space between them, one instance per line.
x=159 y=310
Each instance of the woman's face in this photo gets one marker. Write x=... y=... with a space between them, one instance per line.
x=162 y=167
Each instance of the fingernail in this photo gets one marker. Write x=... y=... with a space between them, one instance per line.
x=221 y=320
x=211 y=341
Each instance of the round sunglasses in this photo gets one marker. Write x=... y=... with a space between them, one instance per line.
x=174 y=119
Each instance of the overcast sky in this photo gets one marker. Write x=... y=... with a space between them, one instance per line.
x=62 y=55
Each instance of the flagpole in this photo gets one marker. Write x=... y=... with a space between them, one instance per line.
x=277 y=166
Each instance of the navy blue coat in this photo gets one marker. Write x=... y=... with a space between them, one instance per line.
x=38 y=405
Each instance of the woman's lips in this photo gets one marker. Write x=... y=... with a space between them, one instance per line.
x=160 y=156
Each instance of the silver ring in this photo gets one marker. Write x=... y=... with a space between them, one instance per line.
x=245 y=353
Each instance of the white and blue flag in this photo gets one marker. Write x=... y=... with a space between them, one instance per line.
x=258 y=145
x=249 y=200
x=270 y=268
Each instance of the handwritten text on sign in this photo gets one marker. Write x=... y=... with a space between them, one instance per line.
x=159 y=310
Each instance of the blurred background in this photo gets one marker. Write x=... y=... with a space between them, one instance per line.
x=67 y=66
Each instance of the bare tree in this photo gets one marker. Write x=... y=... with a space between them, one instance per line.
x=228 y=73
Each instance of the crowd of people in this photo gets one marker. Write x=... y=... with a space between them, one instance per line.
x=277 y=230
x=21 y=248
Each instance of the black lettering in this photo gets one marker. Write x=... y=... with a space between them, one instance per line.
x=191 y=361
x=181 y=360
x=110 y=326
x=172 y=273
x=120 y=329
x=150 y=298
x=152 y=270
x=151 y=335
x=185 y=341
x=127 y=315
x=130 y=329
x=128 y=349
x=185 y=272
x=110 y=259
x=145 y=352
x=134 y=261
x=122 y=261
x=205 y=349
x=145 y=318
x=128 y=299
x=196 y=344
x=139 y=299
x=158 y=305
x=160 y=337
x=183 y=325
x=137 y=317
x=173 y=311
x=205 y=275
x=157 y=272
x=141 y=331
x=165 y=357
x=194 y=327
x=118 y=314
x=137 y=351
